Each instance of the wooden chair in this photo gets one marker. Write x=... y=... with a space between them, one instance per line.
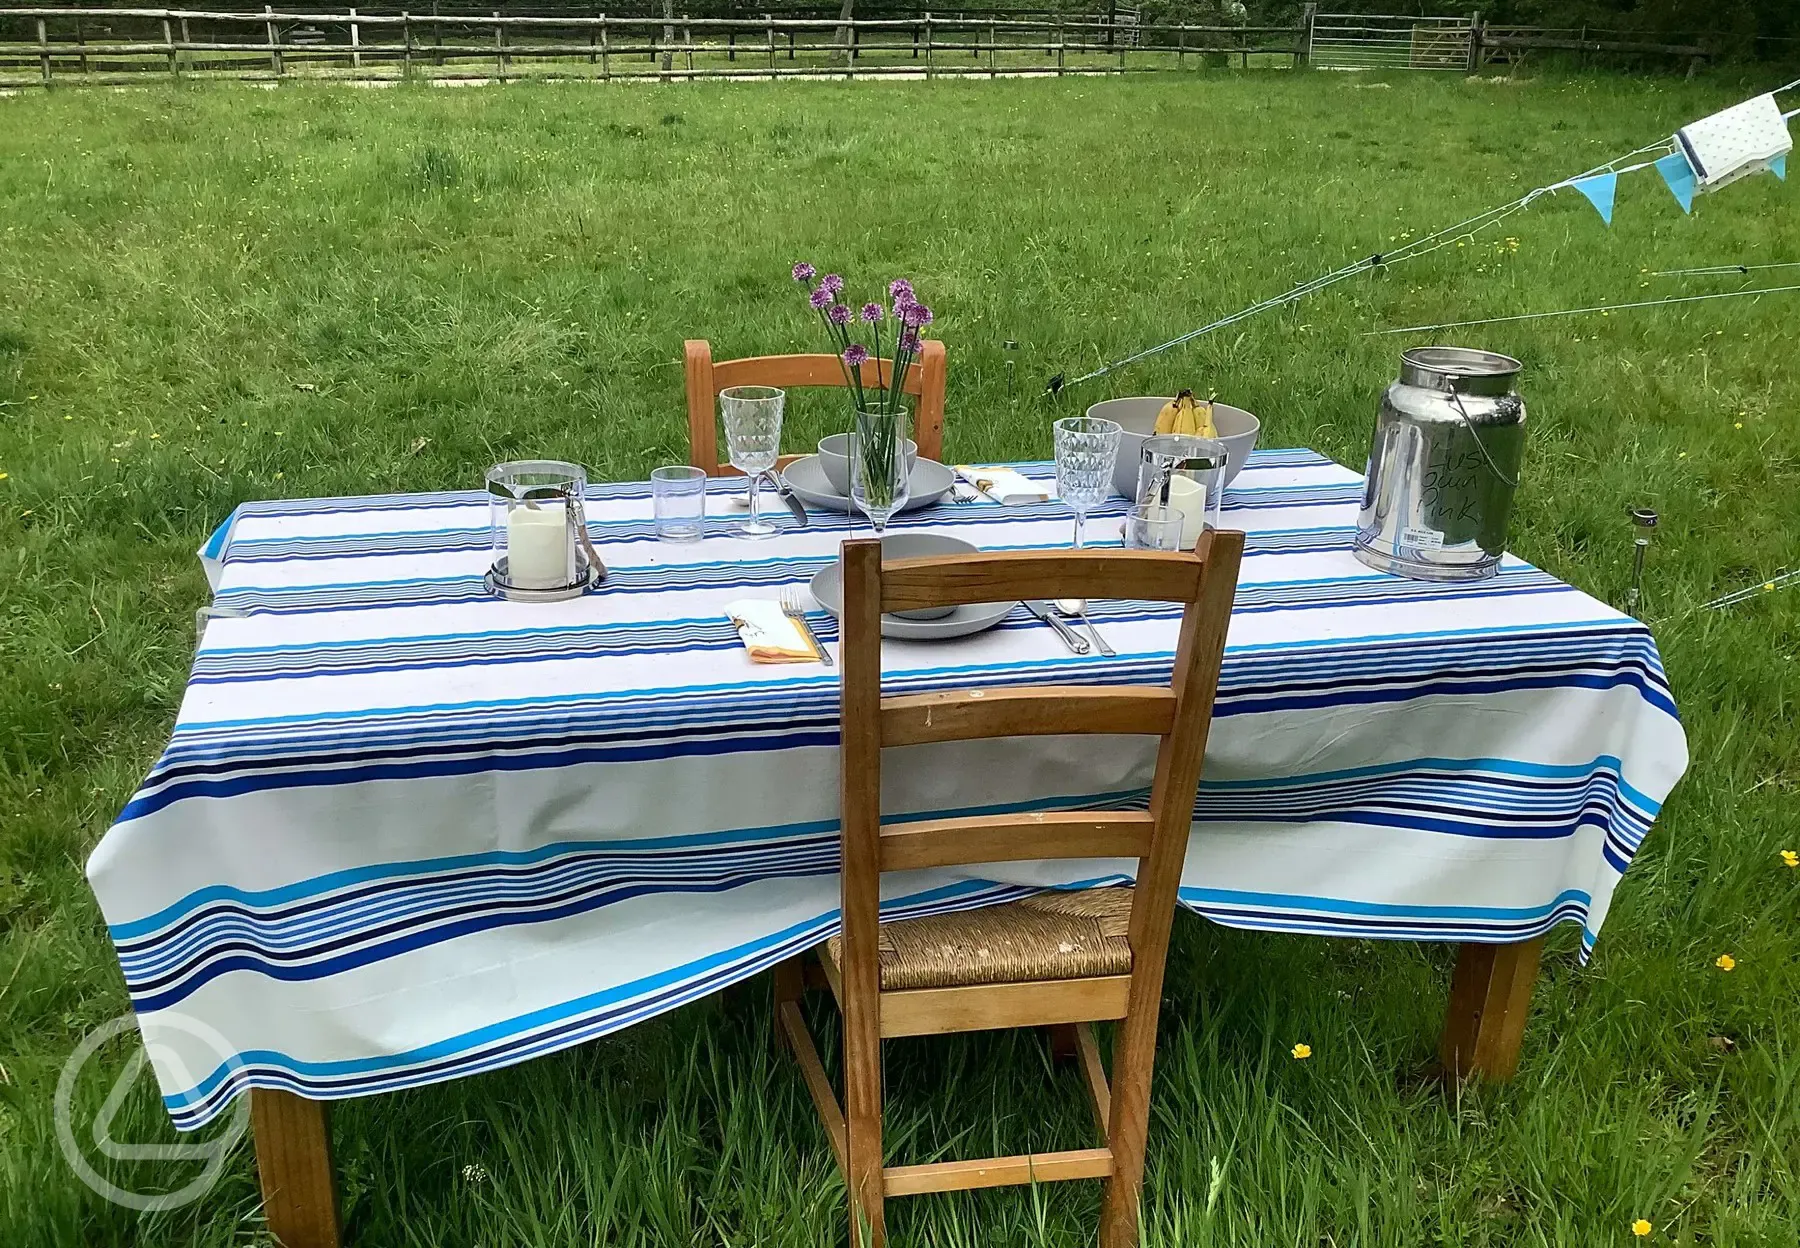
x=1052 y=960
x=924 y=381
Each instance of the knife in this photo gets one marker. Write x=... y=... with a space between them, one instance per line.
x=788 y=496
x=1070 y=637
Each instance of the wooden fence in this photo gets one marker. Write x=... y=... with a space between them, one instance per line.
x=111 y=45
x=58 y=46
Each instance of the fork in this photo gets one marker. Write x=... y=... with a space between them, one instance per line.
x=795 y=610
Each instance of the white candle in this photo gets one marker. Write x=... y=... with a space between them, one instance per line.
x=1188 y=497
x=537 y=546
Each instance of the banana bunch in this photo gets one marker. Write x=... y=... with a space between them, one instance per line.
x=1186 y=414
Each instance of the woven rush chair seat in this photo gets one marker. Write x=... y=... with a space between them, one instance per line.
x=1054 y=935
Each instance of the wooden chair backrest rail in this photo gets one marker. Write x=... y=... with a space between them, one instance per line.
x=924 y=381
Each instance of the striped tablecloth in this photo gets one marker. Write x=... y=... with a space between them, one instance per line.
x=404 y=832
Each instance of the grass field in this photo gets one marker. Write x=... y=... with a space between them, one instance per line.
x=460 y=277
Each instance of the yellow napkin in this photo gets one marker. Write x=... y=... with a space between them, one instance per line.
x=769 y=635
x=1003 y=485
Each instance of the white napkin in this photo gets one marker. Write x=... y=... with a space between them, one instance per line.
x=769 y=634
x=1004 y=485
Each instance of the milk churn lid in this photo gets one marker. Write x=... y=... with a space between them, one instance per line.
x=1459 y=370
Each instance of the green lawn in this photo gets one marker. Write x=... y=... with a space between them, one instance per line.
x=457 y=277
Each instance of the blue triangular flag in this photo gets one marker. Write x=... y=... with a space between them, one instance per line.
x=1680 y=176
x=1778 y=166
x=1599 y=191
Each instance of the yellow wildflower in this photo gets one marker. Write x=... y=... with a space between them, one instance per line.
x=1789 y=858
x=1725 y=962
x=1642 y=1228
x=1301 y=1052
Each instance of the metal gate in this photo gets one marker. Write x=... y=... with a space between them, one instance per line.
x=1372 y=41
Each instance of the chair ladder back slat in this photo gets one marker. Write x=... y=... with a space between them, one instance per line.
x=1002 y=576
x=925 y=380
x=1023 y=837
x=1027 y=711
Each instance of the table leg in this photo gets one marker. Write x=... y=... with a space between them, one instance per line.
x=293 y=1159
x=1490 y=995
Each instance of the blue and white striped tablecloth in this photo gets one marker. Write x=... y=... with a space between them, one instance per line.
x=404 y=832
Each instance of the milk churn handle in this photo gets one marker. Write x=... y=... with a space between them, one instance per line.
x=1470 y=424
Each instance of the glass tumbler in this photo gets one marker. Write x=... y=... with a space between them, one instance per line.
x=1149 y=526
x=679 y=495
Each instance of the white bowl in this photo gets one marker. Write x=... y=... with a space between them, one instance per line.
x=834 y=458
x=1238 y=430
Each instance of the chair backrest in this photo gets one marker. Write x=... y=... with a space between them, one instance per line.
x=1180 y=713
x=924 y=380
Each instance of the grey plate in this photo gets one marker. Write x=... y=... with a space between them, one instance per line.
x=929 y=482
x=828 y=589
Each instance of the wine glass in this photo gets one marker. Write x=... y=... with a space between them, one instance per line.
x=880 y=477
x=1085 y=449
x=752 y=416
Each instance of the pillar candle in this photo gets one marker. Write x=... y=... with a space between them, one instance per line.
x=537 y=546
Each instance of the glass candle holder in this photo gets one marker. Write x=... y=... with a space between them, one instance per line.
x=538 y=531
x=1187 y=474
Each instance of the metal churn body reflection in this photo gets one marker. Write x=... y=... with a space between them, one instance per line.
x=1443 y=465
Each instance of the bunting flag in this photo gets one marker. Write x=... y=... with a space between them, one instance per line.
x=1778 y=166
x=1680 y=176
x=1599 y=191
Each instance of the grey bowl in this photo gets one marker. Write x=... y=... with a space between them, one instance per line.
x=834 y=458
x=1238 y=430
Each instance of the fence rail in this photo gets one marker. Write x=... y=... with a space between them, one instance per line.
x=56 y=46
x=107 y=45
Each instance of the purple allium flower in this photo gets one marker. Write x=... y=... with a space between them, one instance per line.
x=832 y=282
x=872 y=312
x=915 y=315
x=820 y=298
x=856 y=355
x=909 y=340
x=803 y=272
x=900 y=290
x=839 y=313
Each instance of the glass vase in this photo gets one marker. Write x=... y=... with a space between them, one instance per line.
x=880 y=476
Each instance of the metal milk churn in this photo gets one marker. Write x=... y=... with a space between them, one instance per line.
x=1443 y=466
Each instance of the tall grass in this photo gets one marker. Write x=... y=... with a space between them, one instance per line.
x=214 y=294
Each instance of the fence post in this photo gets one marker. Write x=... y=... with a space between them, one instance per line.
x=1062 y=41
x=437 y=36
x=406 y=45
x=81 y=41
x=168 y=41
x=1181 y=46
x=356 y=43
x=769 y=24
x=993 y=46
x=274 y=39
x=605 y=51
x=1475 y=41
x=668 y=37
x=687 y=41
x=186 y=38
x=499 y=48
x=44 y=49
x=593 y=44
x=927 y=45
x=1303 y=51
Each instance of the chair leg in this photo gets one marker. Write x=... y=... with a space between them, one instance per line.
x=862 y=1104
x=1134 y=1058
x=790 y=985
x=1062 y=1042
